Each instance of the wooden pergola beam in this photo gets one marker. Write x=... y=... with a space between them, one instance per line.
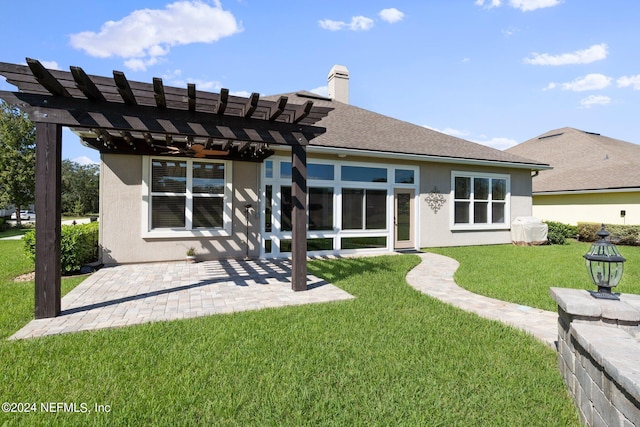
x=251 y=105
x=124 y=89
x=48 y=229
x=298 y=218
x=46 y=79
x=85 y=84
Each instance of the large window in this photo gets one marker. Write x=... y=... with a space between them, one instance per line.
x=364 y=209
x=320 y=206
x=187 y=195
x=480 y=200
x=348 y=204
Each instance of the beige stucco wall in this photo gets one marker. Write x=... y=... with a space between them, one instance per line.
x=435 y=229
x=121 y=212
x=121 y=234
x=594 y=207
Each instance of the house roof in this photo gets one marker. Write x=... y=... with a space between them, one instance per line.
x=353 y=128
x=582 y=161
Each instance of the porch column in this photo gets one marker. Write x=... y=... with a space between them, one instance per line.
x=299 y=217
x=48 y=208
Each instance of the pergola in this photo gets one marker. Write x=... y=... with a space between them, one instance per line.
x=115 y=115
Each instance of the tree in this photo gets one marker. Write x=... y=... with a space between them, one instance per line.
x=80 y=188
x=17 y=158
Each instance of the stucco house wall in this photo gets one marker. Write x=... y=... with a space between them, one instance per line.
x=435 y=227
x=123 y=238
x=121 y=212
x=604 y=207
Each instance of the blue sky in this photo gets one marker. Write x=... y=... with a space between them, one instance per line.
x=497 y=72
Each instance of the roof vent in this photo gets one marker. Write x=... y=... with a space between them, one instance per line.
x=551 y=136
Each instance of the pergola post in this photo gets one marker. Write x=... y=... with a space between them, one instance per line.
x=299 y=217
x=48 y=211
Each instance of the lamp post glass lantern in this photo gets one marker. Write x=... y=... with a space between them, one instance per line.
x=605 y=266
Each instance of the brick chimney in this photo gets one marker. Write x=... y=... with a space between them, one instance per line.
x=339 y=83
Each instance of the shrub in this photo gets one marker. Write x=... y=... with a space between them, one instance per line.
x=587 y=231
x=559 y=232
x=78 y=244
x=620 y=234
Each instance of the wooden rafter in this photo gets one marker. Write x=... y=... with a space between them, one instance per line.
x=191 y=94
x=158 y=92
x=251 y=105
x=124 y=89
x=46 y=79
x=222 y=101
x=85 y=84
x=280 y=104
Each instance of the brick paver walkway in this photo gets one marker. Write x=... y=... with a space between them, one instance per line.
x=434 y=276
x=126 y=295
x=131 y=294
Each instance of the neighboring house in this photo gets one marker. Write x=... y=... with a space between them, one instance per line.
x=375 y=184
x=594 y=178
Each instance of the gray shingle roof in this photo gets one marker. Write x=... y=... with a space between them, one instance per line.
x=355 y=128
x=582 y=161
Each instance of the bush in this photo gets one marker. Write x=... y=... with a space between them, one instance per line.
x=78 y=246
x=559 y=232
x=620 y=234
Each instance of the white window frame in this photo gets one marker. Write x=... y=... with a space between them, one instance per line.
x=481 y=226
x=160 y=233
x=276 y=181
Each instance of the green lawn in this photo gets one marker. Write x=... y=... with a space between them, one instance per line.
x=392 y=356
x=524 y=274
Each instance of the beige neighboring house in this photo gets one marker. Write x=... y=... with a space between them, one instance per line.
x=375 y=185
x=594 y=178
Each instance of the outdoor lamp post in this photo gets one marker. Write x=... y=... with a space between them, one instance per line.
x=605 y=266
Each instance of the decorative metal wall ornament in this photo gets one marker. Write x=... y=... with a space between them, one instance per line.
x=435 y=200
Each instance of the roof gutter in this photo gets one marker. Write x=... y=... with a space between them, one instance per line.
x=424 y=157
x=595 y=191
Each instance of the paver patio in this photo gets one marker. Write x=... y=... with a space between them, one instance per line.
x=126 y=295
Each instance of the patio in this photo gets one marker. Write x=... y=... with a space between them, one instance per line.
x=125 y=295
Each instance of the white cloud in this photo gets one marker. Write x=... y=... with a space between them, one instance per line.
x=361 y=23
x=592 y=100
x=391 y=15
x=84 y=160
x=588 y=82
x=490 y=3
x=321 y=90
x=633 y=81
x=594 y=53
x=146 y=35
x=358 y=23
x=550 y=86
x=529 y=5
x=242 y=93
x=508 y=32
x=328 y=24
x=498 y=143
x=51 y=65
x=523 y=5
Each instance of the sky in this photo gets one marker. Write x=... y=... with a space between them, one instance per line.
x=496 y=72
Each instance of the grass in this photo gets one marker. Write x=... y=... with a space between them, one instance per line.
x=392 y=356
x=524 y=274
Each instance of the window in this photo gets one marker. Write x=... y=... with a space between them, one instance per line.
x=364 y=209
x=320 y=206
x=186 y=195
x=314 y=171
x=364 y=174
x=480 y=201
